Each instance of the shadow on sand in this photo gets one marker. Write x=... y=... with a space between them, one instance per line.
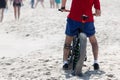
x=86 y=75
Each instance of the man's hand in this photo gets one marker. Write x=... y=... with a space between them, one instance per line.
x=97 y=12
x=62 y=9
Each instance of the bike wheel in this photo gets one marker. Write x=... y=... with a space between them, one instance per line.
x=82 y=54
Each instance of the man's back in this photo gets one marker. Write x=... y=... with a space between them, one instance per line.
x=80 y=7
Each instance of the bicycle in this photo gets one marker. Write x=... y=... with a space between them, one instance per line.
x=77 y=54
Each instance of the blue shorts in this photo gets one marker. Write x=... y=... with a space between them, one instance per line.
x=73 y=27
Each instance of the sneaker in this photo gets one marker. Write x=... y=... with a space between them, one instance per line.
x=96 y=66
x=65 y=66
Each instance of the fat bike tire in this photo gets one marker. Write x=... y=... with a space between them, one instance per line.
x=82 y=54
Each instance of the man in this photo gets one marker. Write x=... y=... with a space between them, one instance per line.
x=74 y=22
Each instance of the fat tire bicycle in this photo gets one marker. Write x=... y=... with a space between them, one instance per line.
x=77 y=54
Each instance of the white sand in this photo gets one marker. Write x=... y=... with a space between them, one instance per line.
x=31 y=48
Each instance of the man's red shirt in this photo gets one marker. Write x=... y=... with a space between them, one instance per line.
x=80 y=7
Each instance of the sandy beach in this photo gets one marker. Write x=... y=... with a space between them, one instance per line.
x=32 y=48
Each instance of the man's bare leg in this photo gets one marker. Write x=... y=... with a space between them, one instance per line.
x=94 y=44
x=66 y=50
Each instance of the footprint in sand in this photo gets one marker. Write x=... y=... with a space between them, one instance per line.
x=46 y=60
x=39 y=69
x=47 y=73
x=8 y=64
x=29 y=67
x=110 y=75
x=12 y=69
x=27 y=35
x=52 y=78
x=51 y=67
x=3 y=58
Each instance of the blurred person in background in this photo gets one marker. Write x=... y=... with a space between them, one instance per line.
x=41 y=1
x=17 y=5
x=57 y=3
x=3 y=5
x=52 y=3
x=32 y=3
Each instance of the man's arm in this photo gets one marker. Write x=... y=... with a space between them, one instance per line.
x=97 y=8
